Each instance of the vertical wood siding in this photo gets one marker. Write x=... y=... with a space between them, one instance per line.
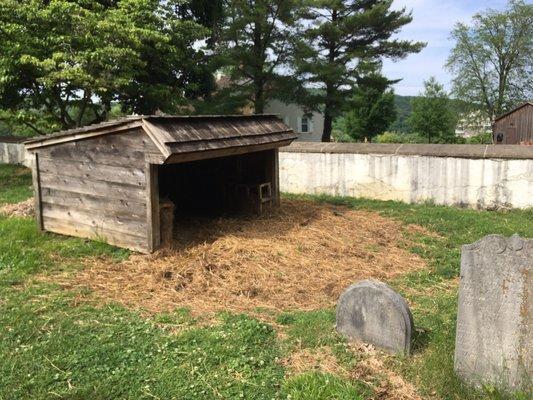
x=522 y=120
x=96 y=188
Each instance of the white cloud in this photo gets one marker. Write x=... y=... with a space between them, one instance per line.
x=433 y=21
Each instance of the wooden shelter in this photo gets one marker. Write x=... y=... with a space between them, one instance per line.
x=111 y=180
x=514 y=127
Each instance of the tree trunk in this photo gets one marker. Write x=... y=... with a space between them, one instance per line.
x=328 y=124
x=259 y=106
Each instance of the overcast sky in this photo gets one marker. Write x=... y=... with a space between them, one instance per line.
x=432 y=22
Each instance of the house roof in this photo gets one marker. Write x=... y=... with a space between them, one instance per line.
x=529 y=103
x=185 y=134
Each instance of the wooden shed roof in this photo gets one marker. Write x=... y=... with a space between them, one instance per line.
x=529 y=103
x=185 y=134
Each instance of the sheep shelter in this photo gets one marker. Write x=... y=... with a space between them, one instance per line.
x=117 y=181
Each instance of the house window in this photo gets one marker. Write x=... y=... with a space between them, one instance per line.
x=305 y=125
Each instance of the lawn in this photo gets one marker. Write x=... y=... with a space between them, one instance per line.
x=56 y=344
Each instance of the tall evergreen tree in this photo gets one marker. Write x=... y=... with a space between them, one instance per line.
x=372 y=108
x=433 y=114
x=335 y=36
x=254 y=44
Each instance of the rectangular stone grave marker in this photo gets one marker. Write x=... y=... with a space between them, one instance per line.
x=494 y=342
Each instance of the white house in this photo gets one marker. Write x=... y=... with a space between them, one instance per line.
x=308 y=125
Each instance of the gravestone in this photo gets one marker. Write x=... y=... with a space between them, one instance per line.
x=494 y=342
x=370 y=311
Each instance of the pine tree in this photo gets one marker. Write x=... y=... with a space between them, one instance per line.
x=336 y=35
x=254 y=45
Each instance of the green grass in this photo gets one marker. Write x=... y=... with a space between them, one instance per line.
x=52 y=346
x=15 y=184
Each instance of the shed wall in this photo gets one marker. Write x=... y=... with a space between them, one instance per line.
x=521 y=120
x=96 y=188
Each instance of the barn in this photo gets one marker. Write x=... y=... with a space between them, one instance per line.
x=514 y=127
x=112 y=181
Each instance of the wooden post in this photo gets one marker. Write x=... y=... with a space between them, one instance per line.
x=275 y=176
x=37 y=191
x=152 y=206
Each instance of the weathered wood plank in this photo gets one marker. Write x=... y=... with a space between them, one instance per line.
x=57 y=140
x=93 y=203
x=152 y=206
x=35 y=173
x=78 y=169
x=110 y=190
x=231 y=151
x=117 y=150
x=86 y=231
x=106 y=221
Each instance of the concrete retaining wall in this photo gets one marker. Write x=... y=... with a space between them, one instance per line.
x=476 y=176
x=12 y=151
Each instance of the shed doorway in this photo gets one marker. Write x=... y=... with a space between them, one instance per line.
x=224 y=186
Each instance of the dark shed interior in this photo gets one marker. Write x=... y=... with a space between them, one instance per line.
x=212 y=187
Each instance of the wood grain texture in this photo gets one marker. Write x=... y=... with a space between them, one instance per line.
x=112 y=237
x=37 y=191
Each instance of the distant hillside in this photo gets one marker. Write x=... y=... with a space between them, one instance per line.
x=403 y=108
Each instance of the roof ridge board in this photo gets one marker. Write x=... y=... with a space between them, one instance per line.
x=176 y=143
x=83 y=129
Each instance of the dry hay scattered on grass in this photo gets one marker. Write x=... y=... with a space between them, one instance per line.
x=371 y=369
x=300 y=256
x=320 y=359
x=23 y=209
x=373 y=364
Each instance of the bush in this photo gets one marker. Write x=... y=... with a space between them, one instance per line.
x=396 y=137
x=483 y=138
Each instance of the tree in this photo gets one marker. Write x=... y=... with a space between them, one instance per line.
x=335 y=36
x=493 y=60
x=254 y=45
x=372 y=108
x=433 y=115
x=63 y=64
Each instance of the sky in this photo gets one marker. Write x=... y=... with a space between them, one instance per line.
x=432 y=22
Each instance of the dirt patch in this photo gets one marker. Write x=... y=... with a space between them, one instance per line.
x=371 y=369
x=373 y=365
x=23 y=209
x=320 y=359
x=300 y=256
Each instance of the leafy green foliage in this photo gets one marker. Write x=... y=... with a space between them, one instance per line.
x=395 y=137
x=433 y=115
x=63 y=63
x=372 y=108
x=492 y=60
x=484 y=138
x=335 y=37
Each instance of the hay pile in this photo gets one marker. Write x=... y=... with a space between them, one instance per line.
x=300 y=256
x=23 y=209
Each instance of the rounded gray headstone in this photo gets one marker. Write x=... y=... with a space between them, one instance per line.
x=370 y=311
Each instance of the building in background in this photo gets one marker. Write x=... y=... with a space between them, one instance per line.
x=307 y=125
x=514 y=127
x=472 y=124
